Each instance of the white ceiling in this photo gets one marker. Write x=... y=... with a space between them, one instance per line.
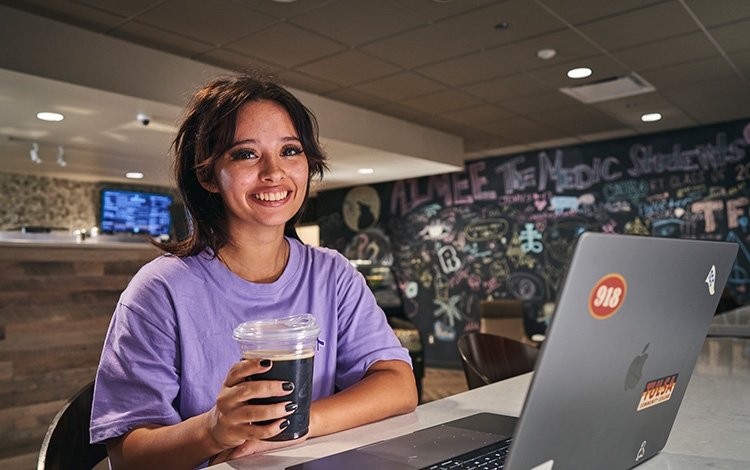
x=409 y=87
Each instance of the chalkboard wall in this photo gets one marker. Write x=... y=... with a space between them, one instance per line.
x=504 y=227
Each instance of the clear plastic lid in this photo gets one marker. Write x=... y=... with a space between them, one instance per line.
x=296 y=328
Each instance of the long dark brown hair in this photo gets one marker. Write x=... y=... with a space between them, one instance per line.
x=207 y=132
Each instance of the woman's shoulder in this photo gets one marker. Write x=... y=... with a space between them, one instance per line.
x=318 y=256
x=172 y=270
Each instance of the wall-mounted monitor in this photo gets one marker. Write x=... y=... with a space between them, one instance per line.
x=135 y=212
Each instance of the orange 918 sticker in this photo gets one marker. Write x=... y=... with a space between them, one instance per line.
x=607 y=296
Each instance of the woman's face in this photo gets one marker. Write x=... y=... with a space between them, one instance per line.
x=262 y=178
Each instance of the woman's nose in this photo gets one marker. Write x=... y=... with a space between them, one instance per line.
x=271 y=170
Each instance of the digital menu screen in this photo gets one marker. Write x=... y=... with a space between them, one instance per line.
x=135 y=212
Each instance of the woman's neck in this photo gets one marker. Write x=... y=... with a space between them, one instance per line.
x=256 y=261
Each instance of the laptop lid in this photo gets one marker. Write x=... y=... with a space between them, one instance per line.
x=627 y=330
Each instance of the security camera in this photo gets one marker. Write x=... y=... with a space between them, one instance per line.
x=143 y=119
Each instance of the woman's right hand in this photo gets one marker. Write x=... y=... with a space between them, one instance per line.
x=231 y=420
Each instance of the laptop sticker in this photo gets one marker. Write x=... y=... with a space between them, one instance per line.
x=657 y=391
x=711 y=280
x=545 y=465
x=607 y=296
x=641 y=452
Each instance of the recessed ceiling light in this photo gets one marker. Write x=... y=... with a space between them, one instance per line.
x=48 y=116
x=546 y=53
x=651 y=117
x=581 y=72
x=365 y=171
x=134 y=175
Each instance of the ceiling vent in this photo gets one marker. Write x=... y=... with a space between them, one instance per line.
x=609 y=89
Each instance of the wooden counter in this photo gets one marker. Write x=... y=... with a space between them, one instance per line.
x=56 y=300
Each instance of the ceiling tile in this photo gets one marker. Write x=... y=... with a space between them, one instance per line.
x=672 y=118
x=542 y=101
x=83 y=16
x=286 y=45
x=707 y=113
x=654 y=22
x=602 y=66
x=442 y=101
x=400 y=111
x=437 y=121
x=418 y=47
x=356 y=98
x=506 y=88
x=675 y=50
x=478 y=115
x=149 y=36
x=698 y=71
x=305 y=82
x=522 y=130
x=355 y=22
x=436 y=9
x=284 y=10
x=216 y=22
x=733 y=37
x=400 y=86
x=717 y=90
x=523 y=54
x=633 y=105
x=348 y=68
x=525 y=19
x=578 y=11
x=629 y=111
x=124 y=8
x=742 y=61
x=719 y=11
x=235 y=61
x=467 y=69
x=578 y=120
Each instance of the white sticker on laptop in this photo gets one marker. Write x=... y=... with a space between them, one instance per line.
x=711 y=280
x=657 y=391
x=607 y=296
x=545 y=466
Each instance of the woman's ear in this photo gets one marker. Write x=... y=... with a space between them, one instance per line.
x=208 y=184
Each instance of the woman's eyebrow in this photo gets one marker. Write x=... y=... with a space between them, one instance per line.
x=290 y=138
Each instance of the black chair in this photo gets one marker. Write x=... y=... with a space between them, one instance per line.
x=66 y=444
x=489 y=358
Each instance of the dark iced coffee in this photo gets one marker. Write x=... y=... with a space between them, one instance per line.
x=290 y=344
x=299 y=371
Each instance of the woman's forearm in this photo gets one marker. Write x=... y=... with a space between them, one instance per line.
x=183 y=445
x=388 y=389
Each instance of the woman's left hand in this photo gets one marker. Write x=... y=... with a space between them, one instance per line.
x=250 y=447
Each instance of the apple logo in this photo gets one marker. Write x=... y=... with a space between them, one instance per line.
x=636 y=368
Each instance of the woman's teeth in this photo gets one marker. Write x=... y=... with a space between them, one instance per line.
x=271 y=196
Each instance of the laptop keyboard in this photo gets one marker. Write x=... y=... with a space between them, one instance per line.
x=490 y=457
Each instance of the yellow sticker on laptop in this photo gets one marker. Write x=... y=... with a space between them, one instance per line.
x=657 y=391
x=607 y=296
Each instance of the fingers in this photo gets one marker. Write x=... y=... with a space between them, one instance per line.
x=246 y=367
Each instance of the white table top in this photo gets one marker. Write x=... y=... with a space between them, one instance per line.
x=712 y=428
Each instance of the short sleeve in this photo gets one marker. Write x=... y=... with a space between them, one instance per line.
x=137 y=381
x=364 y=335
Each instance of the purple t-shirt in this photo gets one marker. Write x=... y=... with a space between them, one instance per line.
x=169 y=345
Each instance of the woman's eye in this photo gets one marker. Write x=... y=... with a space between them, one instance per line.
x=243 y=155
x=291 y=151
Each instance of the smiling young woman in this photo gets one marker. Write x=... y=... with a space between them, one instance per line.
x=170 y=392
x=169 y=388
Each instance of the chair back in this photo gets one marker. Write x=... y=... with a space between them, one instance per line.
x=489 y=358
x=66 y=444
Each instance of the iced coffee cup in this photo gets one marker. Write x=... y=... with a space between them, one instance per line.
x=290 y=343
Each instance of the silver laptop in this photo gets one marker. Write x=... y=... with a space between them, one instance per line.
x=627 y=330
